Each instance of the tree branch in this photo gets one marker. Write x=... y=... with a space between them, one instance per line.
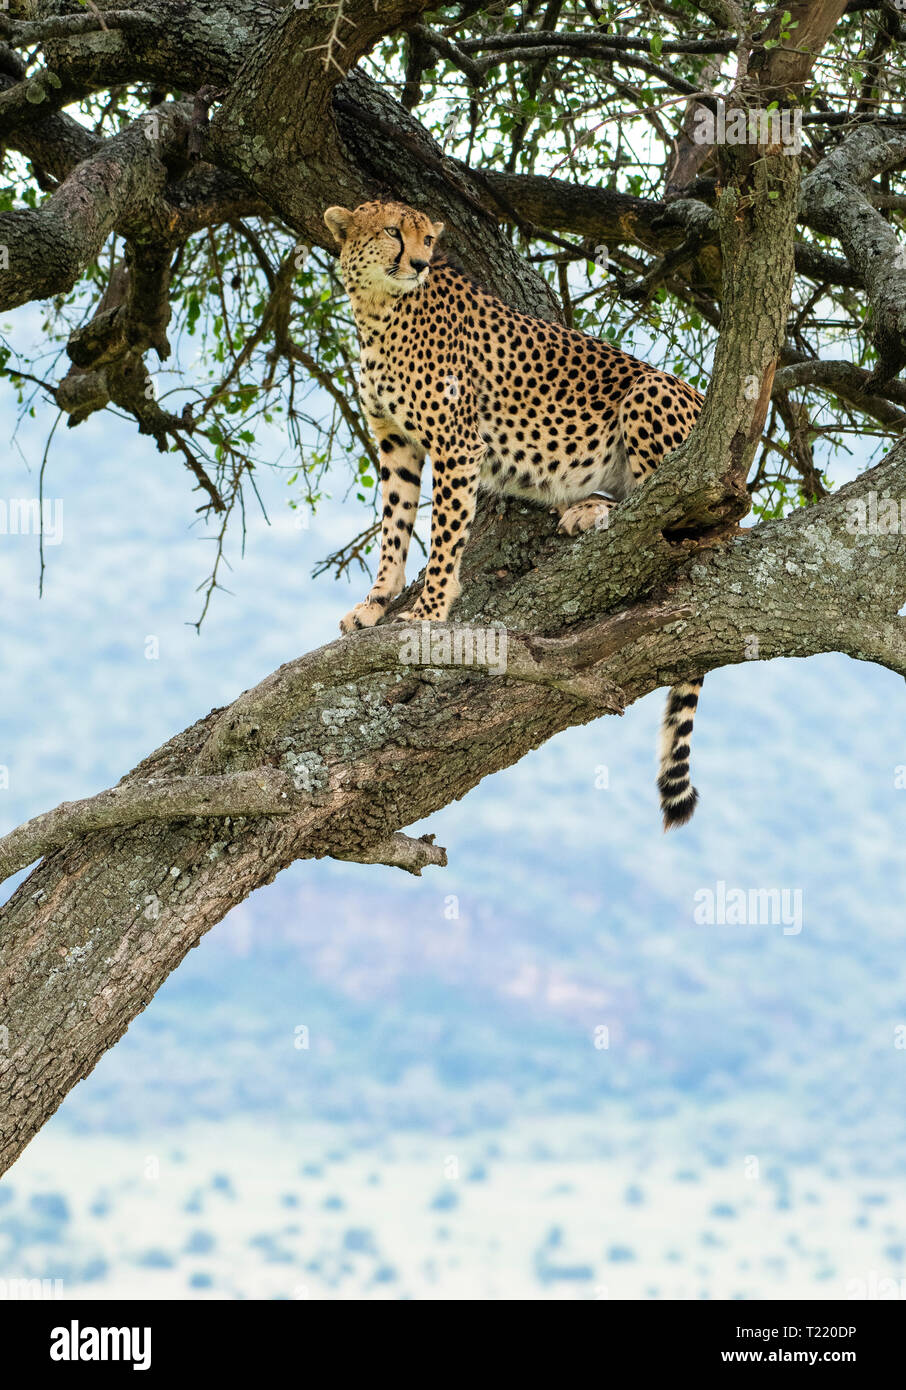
x=264 y=791
x=835 y=200
x=23 y=33
x=50 y=246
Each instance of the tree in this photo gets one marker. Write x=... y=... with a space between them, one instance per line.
x=724 y=179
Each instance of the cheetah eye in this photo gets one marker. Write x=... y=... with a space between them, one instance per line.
x=394 y=232
x=429 y=241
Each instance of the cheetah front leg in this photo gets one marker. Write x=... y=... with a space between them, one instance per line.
x=453 y=496
x=401 y=480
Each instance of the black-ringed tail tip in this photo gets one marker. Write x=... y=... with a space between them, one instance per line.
x=678 y=796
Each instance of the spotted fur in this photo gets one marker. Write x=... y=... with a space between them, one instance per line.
x=502 y=401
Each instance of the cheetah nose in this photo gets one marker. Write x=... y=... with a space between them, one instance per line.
x=418 y=265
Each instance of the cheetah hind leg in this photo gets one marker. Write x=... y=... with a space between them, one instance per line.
x=591 y=514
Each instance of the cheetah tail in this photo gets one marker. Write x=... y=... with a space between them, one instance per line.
x=678 y=796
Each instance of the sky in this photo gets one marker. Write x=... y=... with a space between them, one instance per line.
x=542 y=1072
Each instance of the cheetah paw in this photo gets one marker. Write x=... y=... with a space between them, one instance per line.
x=417 y=614
x=410 y=615
x=365 y=614
x=593 y=513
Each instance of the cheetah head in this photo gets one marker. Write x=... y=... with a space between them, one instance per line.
x=385 y=248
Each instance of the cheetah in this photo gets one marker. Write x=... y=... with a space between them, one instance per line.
x=502 y=401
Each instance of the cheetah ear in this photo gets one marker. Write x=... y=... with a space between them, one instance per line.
x=437 y=228
x=338 y=220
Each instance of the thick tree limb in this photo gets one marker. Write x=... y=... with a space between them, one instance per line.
x=849 y=383
x=55 y=143
x=605 y=215
x=24 y=33
x=835 y=199
x=262 y=792
x=583 y=42
x=49 y=247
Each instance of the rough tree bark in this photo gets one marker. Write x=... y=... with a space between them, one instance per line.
x=335 y=753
